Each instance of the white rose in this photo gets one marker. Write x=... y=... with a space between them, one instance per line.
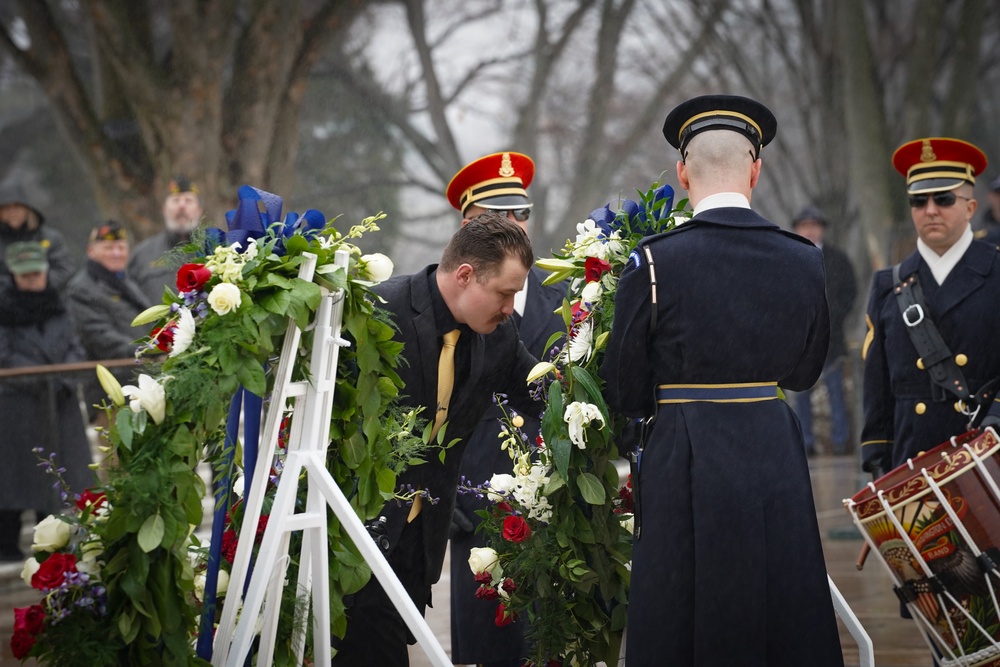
x=148 y=396
x=500 y=484
x=238 y=486
x=51 y=534
x=221 y=584
x=483 y=559
x=30 y=567
x=377 y=266
x=591 y=293
x=224 y=297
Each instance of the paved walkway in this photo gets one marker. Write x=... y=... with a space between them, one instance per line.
x=897 y=642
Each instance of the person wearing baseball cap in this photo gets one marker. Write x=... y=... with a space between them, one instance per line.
x=36 y=411
x=21 y=222
x=497 y=182
x=955 y=281
x=711 y=318
x=150 y=265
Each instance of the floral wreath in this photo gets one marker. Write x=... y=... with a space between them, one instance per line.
x=559 y=528
x=121 y=572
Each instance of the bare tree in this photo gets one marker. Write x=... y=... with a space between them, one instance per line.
x=211 y=89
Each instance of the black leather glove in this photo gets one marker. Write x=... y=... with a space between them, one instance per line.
x=991 y=420
x=460 y=523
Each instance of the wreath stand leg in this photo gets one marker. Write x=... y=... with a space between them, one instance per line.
x=307 y=454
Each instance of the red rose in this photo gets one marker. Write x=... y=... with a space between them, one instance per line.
x=229 y=543
x=164 y=338
x=594 y=268
x=53 y=571
x=487 y=593
x=21 y=644
x=516 y=529
x=625 y=495
x=192 y=277
x=508 y=585
x=504 y=507
x=503 y=616
x=29 y=619
x=92 y=499
x=484 y=578
x=261 y=527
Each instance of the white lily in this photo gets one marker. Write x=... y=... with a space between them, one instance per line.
x=184 y=332
x=578 y=417
x=148 y=396
x=541 y=369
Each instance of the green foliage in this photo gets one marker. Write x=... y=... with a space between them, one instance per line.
x=570 y=577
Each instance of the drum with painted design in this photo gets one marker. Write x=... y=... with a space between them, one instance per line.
x=934 y=523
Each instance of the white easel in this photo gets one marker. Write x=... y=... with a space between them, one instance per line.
x=308 y=444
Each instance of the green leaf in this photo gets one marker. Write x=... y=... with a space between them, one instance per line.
x=560 y=448
x=593 y=390
x=151 y=533
x=123 y=420
x=251 y=376
x=591 y=488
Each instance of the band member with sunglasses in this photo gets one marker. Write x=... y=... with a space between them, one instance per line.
x=906 y=410
x=498 y=182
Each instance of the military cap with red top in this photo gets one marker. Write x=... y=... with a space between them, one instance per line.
x=496 y=181
x=720 y=112
x=937 y=164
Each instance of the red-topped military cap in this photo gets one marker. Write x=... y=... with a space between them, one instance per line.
x=936 y=164
x=496 y=181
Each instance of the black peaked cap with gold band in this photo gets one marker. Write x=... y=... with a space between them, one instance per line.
x=937 y=164
x=720 y=112
x=496 y=181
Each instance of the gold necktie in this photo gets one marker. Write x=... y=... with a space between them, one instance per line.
x=446 y=382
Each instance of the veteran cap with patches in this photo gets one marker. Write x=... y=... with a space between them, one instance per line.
x=496 y=181
x=26 y=257
x=179 y=184
x=720 y=112
x=109 y=231
x=937 y=164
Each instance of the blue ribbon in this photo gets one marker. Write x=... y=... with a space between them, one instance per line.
x=635 y=213
x=256 y=212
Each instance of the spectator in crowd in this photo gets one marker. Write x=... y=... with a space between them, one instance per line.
x=987 y=227
x=495 y=182
x=151 y=265
x=20 y=222
x=104 y=300
x=38 y=411
x=460 y=348
x=841 y=292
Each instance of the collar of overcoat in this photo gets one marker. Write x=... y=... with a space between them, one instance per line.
x=965 y=279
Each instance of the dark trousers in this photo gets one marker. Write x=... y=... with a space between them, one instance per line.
x=376 y=634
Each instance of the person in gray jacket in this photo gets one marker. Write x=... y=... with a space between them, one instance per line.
x=151 y=264
x=104 y=300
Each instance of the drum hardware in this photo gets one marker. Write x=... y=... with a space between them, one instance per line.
x=934 y=524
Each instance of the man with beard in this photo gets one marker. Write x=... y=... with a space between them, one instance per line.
x=459 y=349
x=151 y=265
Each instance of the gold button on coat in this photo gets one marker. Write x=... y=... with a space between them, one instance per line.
x=961 y=359
x=920 y=364
x=920 y=408
x=958 y=406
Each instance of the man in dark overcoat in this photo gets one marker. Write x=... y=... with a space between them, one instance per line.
x=905 y=411
x=727 y=567
x=496 y=182
x=472 y=290
x=841 y=292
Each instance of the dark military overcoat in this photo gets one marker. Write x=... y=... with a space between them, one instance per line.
x=729 y=568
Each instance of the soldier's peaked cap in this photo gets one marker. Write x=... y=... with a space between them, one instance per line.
x=937 y=164
x=720 y=112
x=496 y=181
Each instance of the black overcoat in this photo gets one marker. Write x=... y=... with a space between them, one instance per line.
x=905 y=414
x=729 y=568
x=475 y=638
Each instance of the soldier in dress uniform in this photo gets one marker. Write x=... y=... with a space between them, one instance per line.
x=711 y=319
x=496 y=182
x=906 y=411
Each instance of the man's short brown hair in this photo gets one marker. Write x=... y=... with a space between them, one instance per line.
x=485 y=242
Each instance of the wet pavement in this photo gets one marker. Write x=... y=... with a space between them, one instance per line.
x=896 y=641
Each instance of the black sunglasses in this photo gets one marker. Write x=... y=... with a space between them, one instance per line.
x=520 y=214
x=941 y=199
